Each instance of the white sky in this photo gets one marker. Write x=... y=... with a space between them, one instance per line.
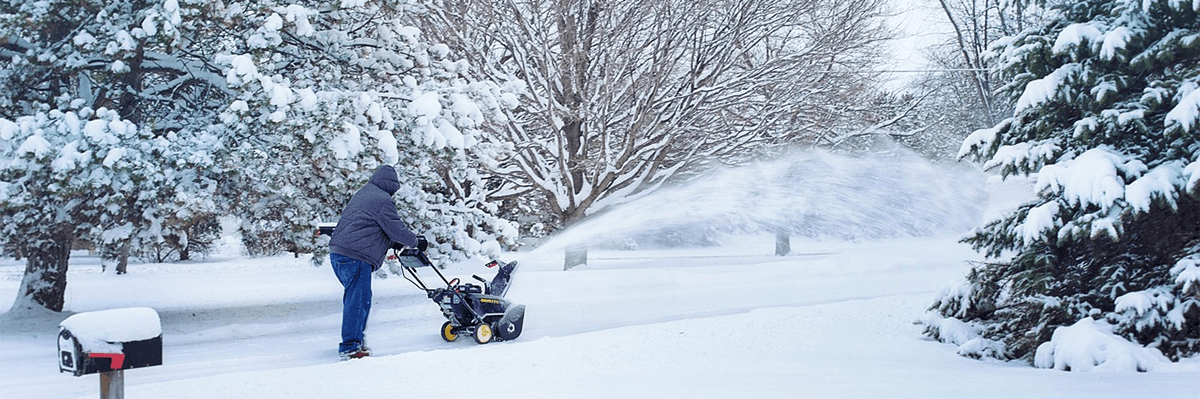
x=918 y=24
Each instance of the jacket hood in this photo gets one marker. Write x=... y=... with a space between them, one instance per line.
x=386 y=179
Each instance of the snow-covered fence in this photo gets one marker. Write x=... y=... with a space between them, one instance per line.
x=109 y=342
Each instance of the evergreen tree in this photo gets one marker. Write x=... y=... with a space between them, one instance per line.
x=135 y=123
x=325 y=94
x=1107 y=117
x=96 y=132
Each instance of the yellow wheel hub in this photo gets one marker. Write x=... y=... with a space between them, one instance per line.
x=483 y=334
x=448 y=332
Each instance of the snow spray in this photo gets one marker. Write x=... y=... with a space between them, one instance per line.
x=812 y=194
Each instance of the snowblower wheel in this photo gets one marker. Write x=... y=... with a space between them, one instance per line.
x=448 y=333
x=483 y=334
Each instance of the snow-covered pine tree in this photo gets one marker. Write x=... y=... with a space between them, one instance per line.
x=1107 y=117
x=96 y=132
x=326 y=92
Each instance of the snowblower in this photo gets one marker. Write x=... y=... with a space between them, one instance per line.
x=480 y=311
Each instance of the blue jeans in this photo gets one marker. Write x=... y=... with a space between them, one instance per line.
x=355 y=276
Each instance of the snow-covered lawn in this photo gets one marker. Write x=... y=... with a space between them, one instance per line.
x=831 y=320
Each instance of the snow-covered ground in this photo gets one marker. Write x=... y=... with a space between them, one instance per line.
x=833 y=319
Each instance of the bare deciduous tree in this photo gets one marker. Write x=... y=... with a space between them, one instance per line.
x=977 y=24
x=620 y=97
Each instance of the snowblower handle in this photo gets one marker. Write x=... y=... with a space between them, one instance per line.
x=476 y=276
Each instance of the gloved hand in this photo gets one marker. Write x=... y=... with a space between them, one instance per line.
x=422 y=243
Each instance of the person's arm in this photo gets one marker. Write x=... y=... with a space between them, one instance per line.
x=394 y=227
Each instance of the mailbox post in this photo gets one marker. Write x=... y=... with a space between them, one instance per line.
x=109 y=342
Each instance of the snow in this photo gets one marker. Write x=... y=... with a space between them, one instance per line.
x=84 y=39
x=347 y=144
x=1160 y=182
x=298 y=14
x=308 y=99
x=35 y=144
x=1114 y=41
x=1186 y=114
x=439 y=50
x=72 y=122
x=1125 y=118
x=1187 y=273
x=114 y=156
x=426 y=105
x=8 y=129
x=1042 y=90
x=1088 y=124
x=1027 y=154
x=1091 y=345
x=281 y=95
x=1074 y=35
x=242 y=69
x=69 y=157
x=148 y=25
x=97 y=331
x=386 y=141
x=118 y=128
x=833 y=319
x=125 y=41
x=1089 y=179
x=119 y=66
x=239 y=106
x=274 y=23
x=1040 y=219
x=1143 y=301
x=952 y=330
x=454 y=137
x=1176 y=4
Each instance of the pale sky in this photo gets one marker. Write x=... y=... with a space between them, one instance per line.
x=918 y=24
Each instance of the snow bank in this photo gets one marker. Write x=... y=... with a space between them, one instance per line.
x=1090 y=345
x=965 y=335
x=96 y=331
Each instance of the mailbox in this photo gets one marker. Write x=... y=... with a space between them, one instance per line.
x=110 y=340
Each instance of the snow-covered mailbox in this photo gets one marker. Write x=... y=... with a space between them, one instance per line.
x=109 y=340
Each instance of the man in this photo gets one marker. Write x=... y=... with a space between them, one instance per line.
x=368 y=226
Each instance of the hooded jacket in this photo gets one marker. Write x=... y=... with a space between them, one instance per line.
x=370 y=223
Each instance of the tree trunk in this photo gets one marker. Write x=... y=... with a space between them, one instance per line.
x=184 y=253
x=982 y=88
x=123 y=258
x=45 y=281
x=783 y=243
x=575 y=255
